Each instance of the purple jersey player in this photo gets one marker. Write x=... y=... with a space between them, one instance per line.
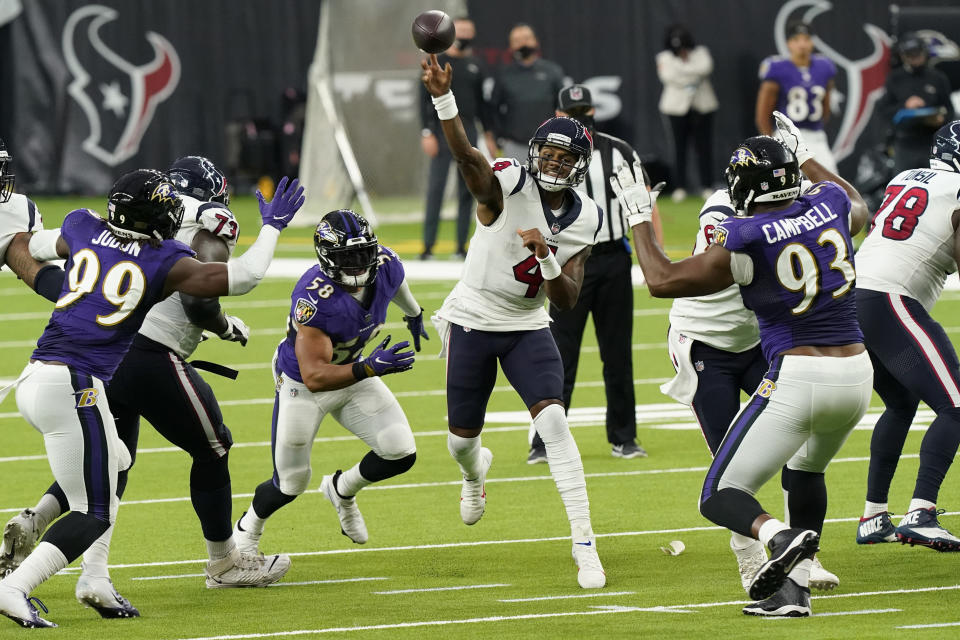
x=798 y=86
x=117 y=269
x=793 y=259
x=338 y=306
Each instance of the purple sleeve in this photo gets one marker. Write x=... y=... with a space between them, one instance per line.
x=729 y=234
x=770 y=69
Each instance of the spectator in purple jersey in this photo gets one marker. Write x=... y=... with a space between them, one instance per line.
x=798 y=86
x=792 y=256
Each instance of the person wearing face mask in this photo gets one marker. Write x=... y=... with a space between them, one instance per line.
x=607 y=291
x=916 y=103
x=469 y=76
x=687 y=103
x=524 y=92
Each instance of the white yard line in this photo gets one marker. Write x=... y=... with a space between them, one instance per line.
x=933 y=625
x=602 y=594
x=456 y=588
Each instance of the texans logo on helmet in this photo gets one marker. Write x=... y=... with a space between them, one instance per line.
x=304 y=311
x=117 y=97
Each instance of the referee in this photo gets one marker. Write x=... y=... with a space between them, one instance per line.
x=607 y=291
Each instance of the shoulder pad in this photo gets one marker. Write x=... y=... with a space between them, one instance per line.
x=218 y=220
x=511 y=175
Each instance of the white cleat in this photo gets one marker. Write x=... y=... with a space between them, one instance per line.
x=246 y=570
x=590 y=573
x=820 y=578
x=473 y=494
x=20 y=536
x=246 y=541
x=351 y=520
x=15 y=605
x=101 y=595
x=749 y=561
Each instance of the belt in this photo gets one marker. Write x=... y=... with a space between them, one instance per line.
x=611 y=246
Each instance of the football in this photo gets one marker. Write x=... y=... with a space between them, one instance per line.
x=433 y=31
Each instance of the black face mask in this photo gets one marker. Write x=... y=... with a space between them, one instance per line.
x=524 y=52
x=463 y=43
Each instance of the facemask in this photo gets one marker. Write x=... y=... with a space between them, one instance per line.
x=524 y=52
x=463 y=43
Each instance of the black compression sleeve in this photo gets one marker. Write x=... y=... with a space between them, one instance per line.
x=49 y=282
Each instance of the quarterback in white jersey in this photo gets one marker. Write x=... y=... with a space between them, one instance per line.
x=901 y=269
x=155 y=381
x=533 y=236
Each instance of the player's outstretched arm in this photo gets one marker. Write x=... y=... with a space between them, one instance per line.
x=790 y=135
x=206 y=312
x=314 y=351
x=242 y=274
x=476 y=171
x=44 y=278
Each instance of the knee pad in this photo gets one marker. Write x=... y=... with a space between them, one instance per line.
x=551 y=423
x=396 y=442
x=293 y=482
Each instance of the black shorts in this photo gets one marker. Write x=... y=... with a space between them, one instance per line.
x=156 y=383
x=529 y=359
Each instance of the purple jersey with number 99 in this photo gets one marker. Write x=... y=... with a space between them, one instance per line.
x=803 y=270
x=110 y=286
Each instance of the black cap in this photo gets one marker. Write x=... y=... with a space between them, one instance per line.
x=798 y=28
x=912 y=44
x=574 y=96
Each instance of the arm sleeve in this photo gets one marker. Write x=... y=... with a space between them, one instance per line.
x=405 y=300
x=741 y=266
x=246 y=272
x=49 y=282
x=43 y=245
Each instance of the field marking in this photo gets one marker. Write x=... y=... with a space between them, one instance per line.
x=930 y=626
x=597 y=610
x=570 y=597
x=427 y=589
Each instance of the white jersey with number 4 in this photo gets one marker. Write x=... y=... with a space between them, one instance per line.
x=501 y=288
x=909 y=250
x=719 y=319
x=17 y=215
x=167 y=322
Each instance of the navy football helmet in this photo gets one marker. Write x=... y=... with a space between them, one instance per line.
x=346 y=248
x=945 y=153
x=198 y=177
x=564 y=133
x=6 y=178
x=761 y=169
x=144 y=205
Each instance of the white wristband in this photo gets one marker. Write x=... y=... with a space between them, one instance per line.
x=549 y=267
x=43 y=245
x=446 y=106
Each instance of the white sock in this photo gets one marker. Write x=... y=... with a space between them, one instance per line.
x=351 y=481
x=42 y=563
x=917 y=503
x=786 y=507
x=47 y=510
x=769 y=529
x=466 y=451
x=566 y=466
x=251 y=522
x=871 y=509
x=96 y=556
x=220 y=550
x=801 y=573
x=739 y=542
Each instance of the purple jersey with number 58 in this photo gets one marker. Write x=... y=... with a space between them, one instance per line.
x=110 y=286
x=320 y=303
x=803 y=273
x=802 y=90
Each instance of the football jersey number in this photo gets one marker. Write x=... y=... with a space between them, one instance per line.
x=901 y=210
x=123 y=286
x=503 y=164
x=801 y=107
x=528 y=272
x=226 y=220
x=797 y=269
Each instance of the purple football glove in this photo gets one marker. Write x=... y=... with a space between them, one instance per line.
x=286 y=201
x=415 y=325
x=385 y=360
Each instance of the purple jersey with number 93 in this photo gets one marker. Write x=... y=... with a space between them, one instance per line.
x=110 y=286
x=803 y=271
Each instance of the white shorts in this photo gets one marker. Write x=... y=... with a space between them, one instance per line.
x=366 y=409
x=800 y=416
x=70 y=410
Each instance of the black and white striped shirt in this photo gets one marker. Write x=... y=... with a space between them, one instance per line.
x=608 y=152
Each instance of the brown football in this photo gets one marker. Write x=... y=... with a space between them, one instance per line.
x=433 y=31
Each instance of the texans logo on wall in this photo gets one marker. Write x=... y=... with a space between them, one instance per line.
x=120 y=97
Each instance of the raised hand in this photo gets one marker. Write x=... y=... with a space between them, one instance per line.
x=385 y=360
x=287 y=200
x=789 y=135
x=632 y=193
x=415 y=325
x=435 y=79
x=236 y=331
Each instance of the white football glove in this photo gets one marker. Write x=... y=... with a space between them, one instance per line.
x=632 y=193
x=790 y=136
x=236 y=331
